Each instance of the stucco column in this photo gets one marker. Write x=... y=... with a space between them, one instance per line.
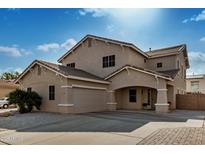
x=112 y=104
x=162 y=104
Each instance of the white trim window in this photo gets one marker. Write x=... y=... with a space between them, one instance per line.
x=108 y=61
x=71 y=65
x=159 y=65
x=52 y=92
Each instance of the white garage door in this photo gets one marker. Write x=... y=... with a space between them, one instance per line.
x=89 y=100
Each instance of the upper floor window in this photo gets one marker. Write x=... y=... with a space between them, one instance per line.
x=71 y=65
x=145 y=60
x=132 y=95
x=159 y=65
x=29 y=89
x=109 y=61
x=51 y=92
x=194 y=86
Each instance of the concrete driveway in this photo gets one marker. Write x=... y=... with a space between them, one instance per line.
x=119 y=127
x=120 y=121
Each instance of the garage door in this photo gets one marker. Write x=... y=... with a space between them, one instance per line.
x=89 y=100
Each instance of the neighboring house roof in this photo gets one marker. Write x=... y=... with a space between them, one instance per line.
x=106 y=40
x=171 y=73
x=174 y=50
x=66 y=72
x=146 y=71
x=8 y=83
x=198 y=76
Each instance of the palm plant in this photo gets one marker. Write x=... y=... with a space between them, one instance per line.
x=25 y=100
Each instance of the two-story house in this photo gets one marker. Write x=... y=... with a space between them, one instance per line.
x=100 y=74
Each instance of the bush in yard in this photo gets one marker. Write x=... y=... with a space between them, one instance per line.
x=25 y=100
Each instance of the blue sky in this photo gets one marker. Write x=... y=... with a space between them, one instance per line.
x=46 y=34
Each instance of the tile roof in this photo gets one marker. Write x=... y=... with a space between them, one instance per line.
x=165 y=51
x=142 y=69
x=70 y=71
x=171 y=73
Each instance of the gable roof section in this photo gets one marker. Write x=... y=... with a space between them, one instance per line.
x=65 y=71
x=174 y=50
x=165 y=51
x=171 y=73
x=127 y=44
x=146 y=71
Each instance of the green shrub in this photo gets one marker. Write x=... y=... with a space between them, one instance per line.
x=25 y=100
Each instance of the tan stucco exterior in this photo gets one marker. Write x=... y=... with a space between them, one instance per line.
x=68 y=99
x=82 y=57
x=130 y=71
x=168 y=63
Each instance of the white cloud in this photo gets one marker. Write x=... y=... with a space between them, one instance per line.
x=68 y=44
x=20 y=70
x=128 y=18
x=11 y=51
x=49 y=46
x=13 y=9
x=94 y=12
x=27 y=53
x=202 y=39
x=197 y=63
x=82 y=12
x=110 y=28
x=199 y=17
x=185 y=20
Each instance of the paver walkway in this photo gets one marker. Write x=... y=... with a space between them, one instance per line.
x=176 y=136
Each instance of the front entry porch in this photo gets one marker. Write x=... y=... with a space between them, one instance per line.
x=141 y=98
x=136 y=98
x=135 y=89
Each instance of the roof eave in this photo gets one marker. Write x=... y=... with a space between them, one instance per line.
x=52 y=69
x=129 y=67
